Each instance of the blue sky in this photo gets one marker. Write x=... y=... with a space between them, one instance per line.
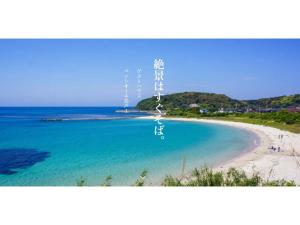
x=90 y=72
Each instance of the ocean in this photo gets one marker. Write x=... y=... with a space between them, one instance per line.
x=58 y=146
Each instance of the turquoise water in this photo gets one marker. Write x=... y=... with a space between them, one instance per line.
x=94 y=149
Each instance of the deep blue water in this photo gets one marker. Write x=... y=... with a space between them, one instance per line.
x=37 y=152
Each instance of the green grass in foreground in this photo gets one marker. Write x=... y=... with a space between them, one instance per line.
x=206 y=177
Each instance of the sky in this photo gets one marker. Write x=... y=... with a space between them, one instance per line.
x=90 y=72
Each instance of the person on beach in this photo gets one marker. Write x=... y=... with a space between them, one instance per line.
x=273 y=148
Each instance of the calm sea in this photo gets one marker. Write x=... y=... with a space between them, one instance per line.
x=59 y=146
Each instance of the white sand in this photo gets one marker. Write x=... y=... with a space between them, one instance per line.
x=272 y=165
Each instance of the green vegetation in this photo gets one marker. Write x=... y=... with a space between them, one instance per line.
x=141 y=180
x=107 y=181
x=233 y=177
x=282 y=120
x=183 y=100
x=213 y=102
x=206 y=177
x=81 y=182
x=276 y=102
x=221 y=107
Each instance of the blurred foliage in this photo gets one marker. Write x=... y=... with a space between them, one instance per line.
x=81 y=182
x=141 y=180
x=233 y=177
x=107 y=181
x=206 y=177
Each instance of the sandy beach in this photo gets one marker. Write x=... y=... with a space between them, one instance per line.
x=270 y=164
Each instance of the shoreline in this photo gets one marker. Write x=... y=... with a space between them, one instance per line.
x=270 y=164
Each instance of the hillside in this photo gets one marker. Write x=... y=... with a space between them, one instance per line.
x=213 y=102
x=276 y=102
